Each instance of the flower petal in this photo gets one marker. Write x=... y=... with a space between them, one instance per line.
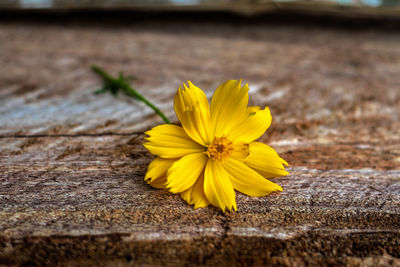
x=170 y=141
x=240 y=150
x=254 y=126
x=156 y=174
x=217 y=186
x=265 y=160
x=192 y=109
x=228 y=107
x=248 y=181
x=185 y=172
x=195 y=194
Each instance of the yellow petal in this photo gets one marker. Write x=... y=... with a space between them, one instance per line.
x=160 y=183
x=185 y=172
x=195 y=194
x=228 y=107
x=240 y=150
x=257 y=122
x=265 y=160
x=252 y=109
x=156 y=172
x=192 y=109
x=248 y=181
x=170 y=141
x=217 y=186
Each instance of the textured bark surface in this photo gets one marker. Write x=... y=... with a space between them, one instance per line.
x=72 y=163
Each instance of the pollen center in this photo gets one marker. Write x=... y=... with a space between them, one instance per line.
x=220 y=148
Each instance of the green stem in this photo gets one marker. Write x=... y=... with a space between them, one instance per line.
x=128 y=90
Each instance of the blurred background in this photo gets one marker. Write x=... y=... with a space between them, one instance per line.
x=251 y=5
x=240 y=6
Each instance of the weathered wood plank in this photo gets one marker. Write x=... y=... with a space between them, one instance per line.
x=72 y=164
x=331 y=84
x=85 y=196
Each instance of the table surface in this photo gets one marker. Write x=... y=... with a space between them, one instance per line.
x=72 y=163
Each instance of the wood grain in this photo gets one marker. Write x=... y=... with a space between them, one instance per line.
x=85 y=196
x=72 y=163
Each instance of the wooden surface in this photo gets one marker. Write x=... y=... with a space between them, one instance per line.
x=72 y=164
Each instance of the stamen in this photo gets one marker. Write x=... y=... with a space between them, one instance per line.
x=220 y=148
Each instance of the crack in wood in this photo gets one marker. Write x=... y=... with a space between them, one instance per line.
x=70 y=135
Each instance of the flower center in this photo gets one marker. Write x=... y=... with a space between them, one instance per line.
x=220 y=148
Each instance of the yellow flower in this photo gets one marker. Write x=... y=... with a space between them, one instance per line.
x=214 y=152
